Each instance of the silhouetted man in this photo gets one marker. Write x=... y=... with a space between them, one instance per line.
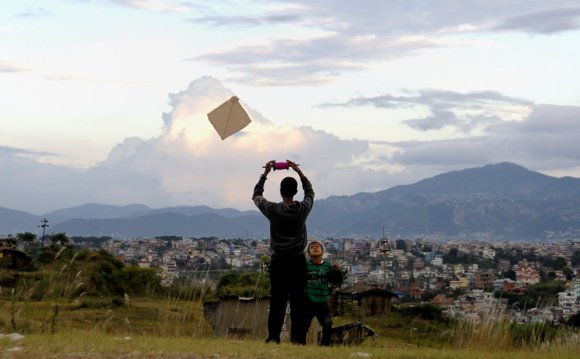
x=288 y=239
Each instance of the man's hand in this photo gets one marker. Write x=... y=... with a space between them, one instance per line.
x=295 y=167
x=336 y=266
x=268 y=167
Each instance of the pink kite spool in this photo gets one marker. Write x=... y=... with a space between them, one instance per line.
x=281 y=166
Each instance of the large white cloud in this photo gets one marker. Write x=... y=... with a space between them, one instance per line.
x=189 y=164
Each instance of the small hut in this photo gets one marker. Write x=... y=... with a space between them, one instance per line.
x=363 y=301
x=240 y=317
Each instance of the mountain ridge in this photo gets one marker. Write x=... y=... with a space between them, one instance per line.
x=502 y=201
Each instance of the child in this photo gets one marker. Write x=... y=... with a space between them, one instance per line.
x=320 y=276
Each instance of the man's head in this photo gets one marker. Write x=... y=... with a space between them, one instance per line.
x=315 y=249
x=288 y=187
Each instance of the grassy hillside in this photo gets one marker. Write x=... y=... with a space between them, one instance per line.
x=169 y=327
x=87 y=304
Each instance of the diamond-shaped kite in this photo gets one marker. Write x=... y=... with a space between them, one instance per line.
x=229 y=117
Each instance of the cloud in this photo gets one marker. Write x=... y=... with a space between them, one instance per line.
x=8 y=150
x=464 y=112
x=249 y=21
x=353 y=36
x=34 y=13
x=413 y=17
x=31 y=185
x=6 y=67
x=189 y=164
x=544 y=140
x=156 y=5
x=315 y=60
x=543 y=22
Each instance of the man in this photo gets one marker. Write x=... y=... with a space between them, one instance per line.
x=321 y=275
x=287 y=240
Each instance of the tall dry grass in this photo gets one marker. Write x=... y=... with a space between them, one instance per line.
x=54 y=301
x=493 y=332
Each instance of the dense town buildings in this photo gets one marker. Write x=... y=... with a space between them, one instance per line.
x=465 y=278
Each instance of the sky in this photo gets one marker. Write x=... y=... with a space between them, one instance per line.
x=106 y=101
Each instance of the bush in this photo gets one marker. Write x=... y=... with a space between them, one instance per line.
x=574 y=320
x=533 y=335
x=427 y=312
x=249 y=284
x=138 y=281
x=188 y=290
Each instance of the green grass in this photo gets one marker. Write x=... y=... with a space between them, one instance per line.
x=142 y=316
x=95 y=344
x=168 y=327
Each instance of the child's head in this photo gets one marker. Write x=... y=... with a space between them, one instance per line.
x=315 y=249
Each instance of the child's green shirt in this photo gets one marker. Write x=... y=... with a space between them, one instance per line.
x=320 y=276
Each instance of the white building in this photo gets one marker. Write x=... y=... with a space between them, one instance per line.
x=488 y=253
x=567 y=300
x=438 y=262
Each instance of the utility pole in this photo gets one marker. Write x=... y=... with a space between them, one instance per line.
x=44 y=224
x=384 y=249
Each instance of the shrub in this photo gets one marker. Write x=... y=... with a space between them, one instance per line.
x=427 y=312
x=249 y=284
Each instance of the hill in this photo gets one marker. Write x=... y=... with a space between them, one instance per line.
x=495 y=202
x=501 y=201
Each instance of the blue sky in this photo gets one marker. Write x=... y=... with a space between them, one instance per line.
x=105 y=100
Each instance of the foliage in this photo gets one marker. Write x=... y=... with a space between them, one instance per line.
x=248 y=284
x=574 y=320
x=26 y=237
x=109 y=276
x=68 y=272
x=575 y=259
x=541 y=294
x=188 y=289
x=139 y=281
x=427 y=312
x=401 y=244
x=536 y=334
x=59 y=239
x=510 y=274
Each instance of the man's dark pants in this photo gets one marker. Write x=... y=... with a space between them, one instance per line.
x=288 y=281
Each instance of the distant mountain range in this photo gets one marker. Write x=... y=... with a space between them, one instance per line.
x=495 y=202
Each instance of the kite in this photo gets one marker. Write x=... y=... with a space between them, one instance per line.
x=229 y=117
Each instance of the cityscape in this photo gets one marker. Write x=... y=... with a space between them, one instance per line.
x=521 y=282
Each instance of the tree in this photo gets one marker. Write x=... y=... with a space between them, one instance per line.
x=560 y=263
x=26 y=237
x=248 y=284
x=576 y=259
x=28 y=240
x=452 y=257
x=510 y=274
x=574 y=320
x=569 y=273
x=59 y=239
x=401 y=244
